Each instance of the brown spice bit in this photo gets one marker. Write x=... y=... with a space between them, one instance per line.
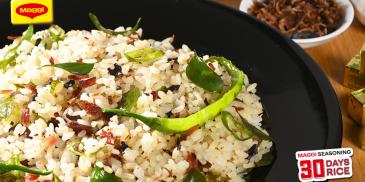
x=51 y=61
x=118 y=157
x=73 y=118
x=167 y=151
x=300 y=19
x=87 y=83
x=155 y=95
x=54 y=121
x=211 y=66
x=77 y=128
x=95 y=111
x=25 y=117
x=31 y=88
x=12 y=37
x=238 y=108
x=56 y=114
x=78 y=77
x=76 y=92
x=252 y=151
x=206 y=101
x=132 y=38
x=192 y=130
x=169 y=114
x=173 y=88
x=110 y=100
x=123 y=146
x=27 y=132
x=193 y=162
x=24 y=162
x=6 y=92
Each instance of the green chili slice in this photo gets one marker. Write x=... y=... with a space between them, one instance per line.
x=99 y=175
x=10 y=111
x=27 y=36
x=5 y=62
x=12 y=52
x=129 y=99
x=54 y=85
x=56 y=178
x=201 y=75
x=74 y=68
x=57 y=33
x=70 y=148
x=174 y=125
x=194 y=176
x=94 y=19
x=144 y=55
x=242 y=130
x=5 y=167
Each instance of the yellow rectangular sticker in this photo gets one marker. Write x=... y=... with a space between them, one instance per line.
x=31 y=11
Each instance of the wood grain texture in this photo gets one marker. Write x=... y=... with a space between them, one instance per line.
x=332 y=58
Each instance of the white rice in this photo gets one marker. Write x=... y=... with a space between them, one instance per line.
x=145 y=158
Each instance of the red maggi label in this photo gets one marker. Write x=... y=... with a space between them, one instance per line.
x=31 y=10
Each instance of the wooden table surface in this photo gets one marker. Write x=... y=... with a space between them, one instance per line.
x=332 y=57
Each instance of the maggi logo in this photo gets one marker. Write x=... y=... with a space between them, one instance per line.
x=32 y=10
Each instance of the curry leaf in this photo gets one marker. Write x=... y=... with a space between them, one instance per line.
x=74 y=68
x=130 y=98
x=201 y=75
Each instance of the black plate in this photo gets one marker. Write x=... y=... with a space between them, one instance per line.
x=301 y=104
